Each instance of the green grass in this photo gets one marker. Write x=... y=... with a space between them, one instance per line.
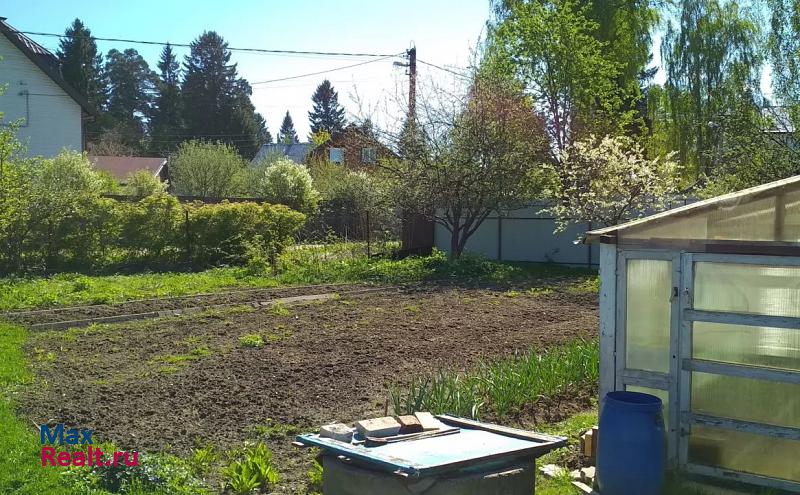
x=501 y=387
x=299 y=266
x=20 y=470
x=251 y=340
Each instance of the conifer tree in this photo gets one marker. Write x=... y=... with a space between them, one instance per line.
x=81 y=67
x=287 y=134
x=166 y=122
x=327 y=114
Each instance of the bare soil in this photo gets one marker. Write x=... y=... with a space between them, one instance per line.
x=172 y=383
x=241 y=296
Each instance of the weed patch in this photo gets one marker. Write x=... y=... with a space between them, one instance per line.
x=502 y=386
x=251 y=340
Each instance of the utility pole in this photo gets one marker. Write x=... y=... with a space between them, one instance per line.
x=411 y=55
x=412 y=84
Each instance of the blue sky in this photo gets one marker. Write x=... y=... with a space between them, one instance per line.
x=444 y=32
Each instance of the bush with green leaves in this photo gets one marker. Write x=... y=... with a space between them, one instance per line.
x=282 y=181
x=143 y=183
x=152 y=227
x=209 y=170
x=53 y=217
x=228 y=233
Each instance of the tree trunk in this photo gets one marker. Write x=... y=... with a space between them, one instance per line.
x=455 y=249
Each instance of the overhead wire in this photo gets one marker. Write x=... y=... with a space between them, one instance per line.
x=236 y=49
x=459 y=74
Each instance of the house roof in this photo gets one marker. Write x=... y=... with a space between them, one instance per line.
x=46 y=61
x=766 y=213
x=122 y=166
x=297 y=152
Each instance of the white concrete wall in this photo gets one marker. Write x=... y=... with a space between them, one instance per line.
x=51 y=118
x=525 y=235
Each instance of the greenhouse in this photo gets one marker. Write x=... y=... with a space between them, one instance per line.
x=700 y=306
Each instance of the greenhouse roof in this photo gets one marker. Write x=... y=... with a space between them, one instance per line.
x=747 y=221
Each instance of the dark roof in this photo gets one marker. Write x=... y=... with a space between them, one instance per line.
x=45 y=60
x=297 y=152
x=122 y=166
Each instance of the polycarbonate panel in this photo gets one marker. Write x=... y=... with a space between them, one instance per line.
x=661 y=394
x=746 y=399
x=745 y=452
x=756 y=289
x=740 y=344
x=649 y=287
x=765 y=219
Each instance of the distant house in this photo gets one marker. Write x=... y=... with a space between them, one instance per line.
x=352 y=147
x=120 y=167
x=50 y=112
x=297 y=152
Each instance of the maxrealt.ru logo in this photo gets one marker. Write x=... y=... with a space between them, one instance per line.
x=59 y=435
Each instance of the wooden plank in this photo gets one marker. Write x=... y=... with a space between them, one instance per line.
x=673 y=403
x=650 y=379
x=746 y=426
x=502 y=430
x=752 y=479
x=742 y=371
x=608 y=311
x=742 y=319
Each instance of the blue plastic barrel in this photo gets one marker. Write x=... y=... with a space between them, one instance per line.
x=631 y=444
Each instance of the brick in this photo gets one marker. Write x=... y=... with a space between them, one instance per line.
x=409 y=424
x=337 y=431
x=427 y=421
x=378 y=427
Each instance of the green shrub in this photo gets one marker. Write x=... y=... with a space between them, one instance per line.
x=220 y=232
x=152 y=226
x=285 y=182
x=210 y=170
x=143 y=183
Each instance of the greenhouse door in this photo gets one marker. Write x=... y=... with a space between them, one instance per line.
x=739 y=378
x=647 y=331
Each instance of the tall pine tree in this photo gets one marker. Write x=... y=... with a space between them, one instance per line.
x=327 y=114
x=166 y=121
x=130 y=94
x=287 y=134
x=82 y=68
x=216 y=102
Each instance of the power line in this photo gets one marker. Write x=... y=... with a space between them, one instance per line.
x=325 y=71
x=237 y=49
x=464 y=76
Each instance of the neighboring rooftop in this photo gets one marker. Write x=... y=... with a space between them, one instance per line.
x=297 y=152
x=122 y=166
x=45 y=60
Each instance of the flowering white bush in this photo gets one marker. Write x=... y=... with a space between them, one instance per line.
x=610 y=180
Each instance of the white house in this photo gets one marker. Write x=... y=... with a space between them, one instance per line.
x=50 y=112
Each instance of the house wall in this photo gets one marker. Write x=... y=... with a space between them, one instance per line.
x=526 y=235
x=51 y=119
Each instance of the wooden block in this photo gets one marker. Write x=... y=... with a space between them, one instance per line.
x=583 y=487
x=409 y=424
x=337 y=431
x=378 y=427
x=589 y=444
x=427 y=421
